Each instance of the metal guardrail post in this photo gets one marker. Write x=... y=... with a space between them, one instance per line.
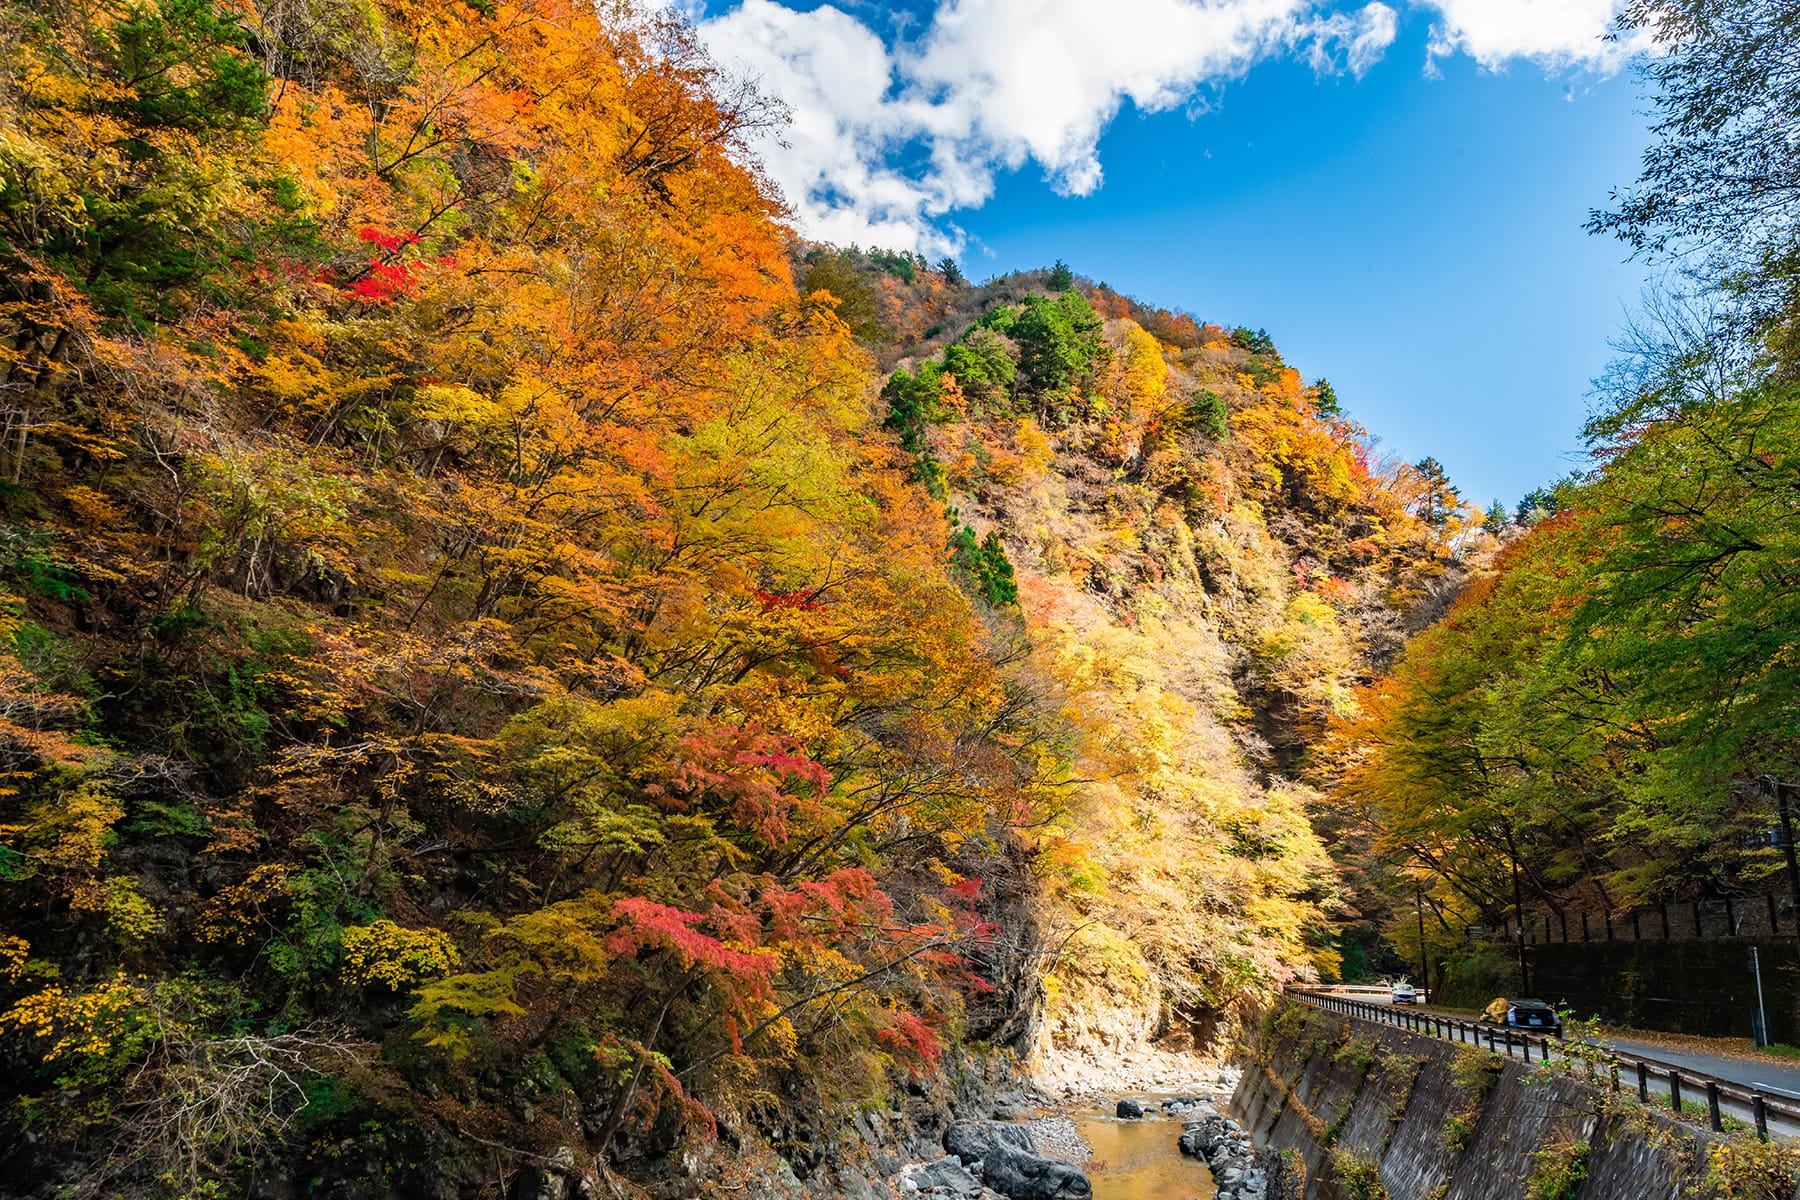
x=1712 y=1105
x=1760 y=1115
x=1525 y=1047
x=1643 y=1083
x=1674 y=1090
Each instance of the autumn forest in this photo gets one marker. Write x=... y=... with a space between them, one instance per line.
x=505 y=646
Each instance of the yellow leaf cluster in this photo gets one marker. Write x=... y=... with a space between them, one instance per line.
x=393 y=956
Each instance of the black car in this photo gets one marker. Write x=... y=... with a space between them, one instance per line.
x=1533 y=1015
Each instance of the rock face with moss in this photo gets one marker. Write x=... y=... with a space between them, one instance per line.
x=1375 y=1113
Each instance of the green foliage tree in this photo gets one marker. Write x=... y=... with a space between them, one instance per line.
x=904 y=265
x=1060 y=342
x=1325 y=400
x=1546 y=501
x=985 y=564
x=1207 y=414
x=1256 y=341
x=1438 y=497
x=1612 y=711
x=1688 y=600
x=1720 y=185
x=984 y=368
x=839 y=272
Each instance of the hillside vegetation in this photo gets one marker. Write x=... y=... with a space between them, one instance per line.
x=1207 y=563
x=490 y=667
x=1609 y=717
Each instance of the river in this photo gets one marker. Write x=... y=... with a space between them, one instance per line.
x=1138 y=1160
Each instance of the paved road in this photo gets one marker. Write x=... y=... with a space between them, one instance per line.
x=1776 y=1079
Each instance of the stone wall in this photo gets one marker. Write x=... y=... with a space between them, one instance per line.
x=1370 y=1112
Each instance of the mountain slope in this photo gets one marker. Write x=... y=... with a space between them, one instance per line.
x=488 y=675
x=1207 y=564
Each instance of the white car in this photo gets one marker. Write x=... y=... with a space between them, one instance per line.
x=1405 y=993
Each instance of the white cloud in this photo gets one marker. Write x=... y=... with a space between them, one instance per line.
x=886 y=142
x=1554 y=33
x=1015 y=80
x=832 y=160
x=1346 y=42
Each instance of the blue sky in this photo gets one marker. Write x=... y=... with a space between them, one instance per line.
x=1395 y=193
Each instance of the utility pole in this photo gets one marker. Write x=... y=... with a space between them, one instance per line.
x=1762 y=1014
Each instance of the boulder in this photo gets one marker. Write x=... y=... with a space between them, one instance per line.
x=1023 y=1176
x=971 y=1141
x=1129 y=1109
x=556 y=1176
x=945 y=1177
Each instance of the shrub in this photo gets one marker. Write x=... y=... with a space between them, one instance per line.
x=1359 y=1174
x=1557 y=1171
x=1753 y=1170
x=1357 y=1054
x=1473 y=1071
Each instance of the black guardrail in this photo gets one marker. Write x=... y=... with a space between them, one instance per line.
x=1761 y=1106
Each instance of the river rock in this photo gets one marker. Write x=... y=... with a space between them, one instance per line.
x=1057 y=1137
x=1024 y=1176
x=973 y=1141
x=1129 y=1109
x=944 y=1178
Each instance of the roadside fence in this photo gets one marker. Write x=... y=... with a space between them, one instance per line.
x=1722 y=1097
x=1754 y=916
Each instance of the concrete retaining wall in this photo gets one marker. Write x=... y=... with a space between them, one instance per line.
x=1376 y=1113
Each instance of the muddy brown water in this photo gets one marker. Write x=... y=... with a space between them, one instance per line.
x=1138 y=1160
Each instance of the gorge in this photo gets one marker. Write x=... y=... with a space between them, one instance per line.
x=523 y=677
